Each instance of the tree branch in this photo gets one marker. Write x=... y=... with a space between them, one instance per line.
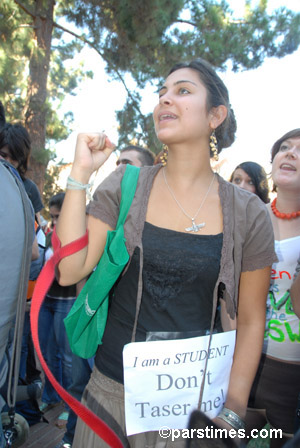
x=83 y=39
x=188 y=22
x=24 y=8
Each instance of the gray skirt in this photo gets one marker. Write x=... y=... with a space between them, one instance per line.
x=105 y=398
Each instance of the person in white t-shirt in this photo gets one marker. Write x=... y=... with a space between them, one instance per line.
x=273 y=398
x=295 y=291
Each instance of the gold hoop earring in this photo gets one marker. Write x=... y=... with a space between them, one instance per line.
x=214 y=146
x=164 y=156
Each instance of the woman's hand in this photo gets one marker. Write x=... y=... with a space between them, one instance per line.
x=92 y=150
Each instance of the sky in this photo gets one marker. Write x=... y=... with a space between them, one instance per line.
x=265 y=101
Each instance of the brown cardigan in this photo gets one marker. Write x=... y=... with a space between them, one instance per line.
x=248 y=240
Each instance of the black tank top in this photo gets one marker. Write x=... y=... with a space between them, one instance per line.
x=179 y=275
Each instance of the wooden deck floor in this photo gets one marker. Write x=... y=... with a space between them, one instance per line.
x=46 y=435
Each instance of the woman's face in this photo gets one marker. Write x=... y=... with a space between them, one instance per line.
x=286 y=164
x=181 y=114
x=5 y=154
x=54 y=215
x=242 y=180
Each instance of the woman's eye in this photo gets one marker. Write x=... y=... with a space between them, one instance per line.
x=251 y=182
x=183 y=91
x=236 y=180
x=161 y=92
x=284 y=147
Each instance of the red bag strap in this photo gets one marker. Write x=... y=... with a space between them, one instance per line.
x=44 y=282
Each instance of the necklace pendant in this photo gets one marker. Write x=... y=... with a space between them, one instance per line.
x=195 y=227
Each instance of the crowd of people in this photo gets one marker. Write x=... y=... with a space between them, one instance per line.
x=206 y=257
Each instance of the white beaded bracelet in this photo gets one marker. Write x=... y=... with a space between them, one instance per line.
x=73 y=184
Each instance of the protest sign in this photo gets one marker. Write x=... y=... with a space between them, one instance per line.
x=162 y=380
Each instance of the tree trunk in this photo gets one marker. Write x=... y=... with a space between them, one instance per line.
x=35 y=113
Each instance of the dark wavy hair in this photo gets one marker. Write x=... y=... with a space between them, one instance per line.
x=217 y=94
x=276 y=147
x=57 y=200
x=259 y=178
x=18 y=142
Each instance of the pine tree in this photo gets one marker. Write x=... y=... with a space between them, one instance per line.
x=143 y=39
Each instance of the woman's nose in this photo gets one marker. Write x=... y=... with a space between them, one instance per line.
x=165 y=99
x=292 y=152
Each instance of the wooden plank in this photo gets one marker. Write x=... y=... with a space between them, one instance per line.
x=46 y=435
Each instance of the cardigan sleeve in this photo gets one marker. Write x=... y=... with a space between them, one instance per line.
x=258 y=248
x=106 y=198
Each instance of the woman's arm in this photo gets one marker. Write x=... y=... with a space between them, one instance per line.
x=92 y=150
x=35 y=250
x=253 y=292
x=295 y=295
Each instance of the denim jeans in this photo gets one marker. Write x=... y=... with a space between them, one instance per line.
x=28 y=368
x=81 y=372
x=24 y=349
x=55 y=345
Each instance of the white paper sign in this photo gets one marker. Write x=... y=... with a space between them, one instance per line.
x=162 y=380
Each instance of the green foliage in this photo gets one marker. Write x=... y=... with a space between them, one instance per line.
x=42 y=155
x=143 y=134
x=16 y=48
x=137 y=127
x=147 y=38
x=144 y=39
x=51 y=187
x=14 y=52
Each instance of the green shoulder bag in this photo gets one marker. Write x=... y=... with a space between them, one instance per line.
x=86 y=320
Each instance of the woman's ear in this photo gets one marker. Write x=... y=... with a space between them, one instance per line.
x=218 y=115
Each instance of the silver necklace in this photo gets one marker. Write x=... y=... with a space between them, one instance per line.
x=194 y=227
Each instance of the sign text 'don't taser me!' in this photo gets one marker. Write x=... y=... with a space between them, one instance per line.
x=162 y=380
